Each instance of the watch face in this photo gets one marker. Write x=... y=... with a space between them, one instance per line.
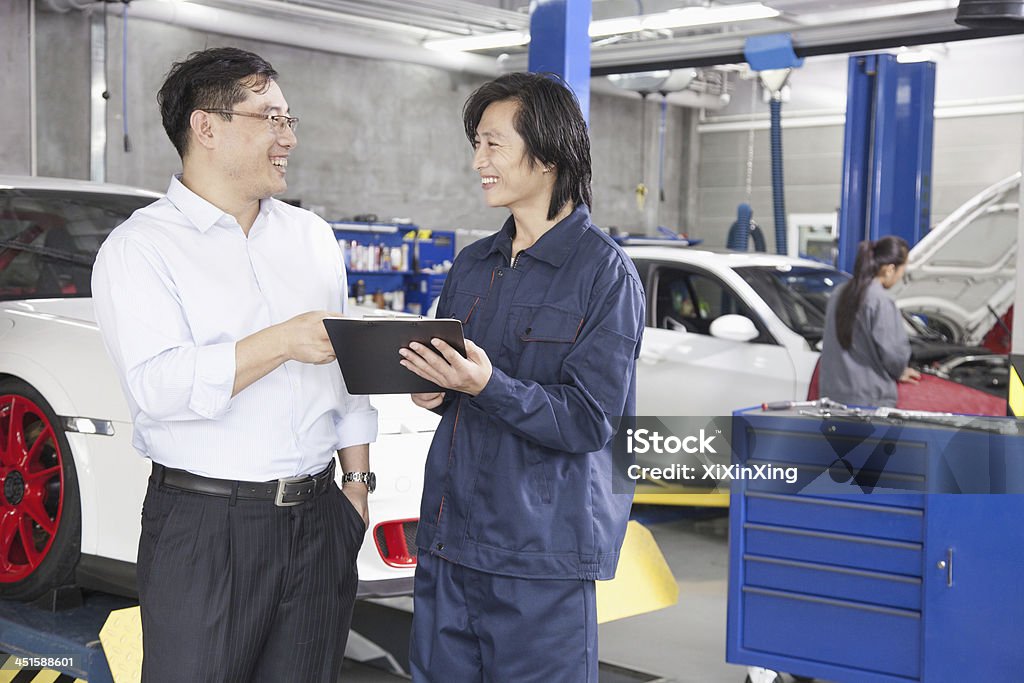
x=371 y=482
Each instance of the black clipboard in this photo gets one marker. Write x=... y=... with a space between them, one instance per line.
x=367 y=351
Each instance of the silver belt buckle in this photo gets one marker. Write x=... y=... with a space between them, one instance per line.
x=281 y=483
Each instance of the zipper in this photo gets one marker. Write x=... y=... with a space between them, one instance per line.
x=515 y=259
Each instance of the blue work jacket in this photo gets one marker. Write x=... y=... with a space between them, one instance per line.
x=519 y=478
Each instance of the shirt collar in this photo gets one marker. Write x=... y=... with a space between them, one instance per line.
x=553 y=246
x=197 y=210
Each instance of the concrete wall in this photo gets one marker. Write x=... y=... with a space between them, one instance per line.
x=376 y=137
x=979 y=137
x=62 y=93
x=14 y=79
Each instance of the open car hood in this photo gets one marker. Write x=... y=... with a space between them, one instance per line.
x=965 y=265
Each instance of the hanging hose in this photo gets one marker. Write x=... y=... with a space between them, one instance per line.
x=124 y=78
x=740 y=230
x=778 y=197
x=641 y=188
x=661 y=148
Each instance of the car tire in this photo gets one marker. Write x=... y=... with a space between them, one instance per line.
x=40 y=508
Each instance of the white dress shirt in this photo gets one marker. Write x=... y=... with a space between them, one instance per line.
x=175 y=287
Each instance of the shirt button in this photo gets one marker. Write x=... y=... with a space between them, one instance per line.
x=500 y=272
x=439 y=547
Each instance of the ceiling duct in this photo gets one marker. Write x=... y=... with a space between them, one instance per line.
x=663 y=81
x=991 y=14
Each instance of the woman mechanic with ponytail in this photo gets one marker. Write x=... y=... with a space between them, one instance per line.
x=866 y=349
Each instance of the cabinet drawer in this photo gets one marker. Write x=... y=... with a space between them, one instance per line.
x=842 y=550
x=873 y=639
x=855 y=585
x=853 y=515
x=900 y=462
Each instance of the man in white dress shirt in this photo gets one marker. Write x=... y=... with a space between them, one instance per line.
x=211 y=302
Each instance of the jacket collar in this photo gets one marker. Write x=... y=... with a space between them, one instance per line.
x=553 y=247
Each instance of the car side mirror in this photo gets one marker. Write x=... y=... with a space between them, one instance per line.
x=734 y=328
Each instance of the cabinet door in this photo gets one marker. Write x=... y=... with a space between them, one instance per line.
x=973 y=597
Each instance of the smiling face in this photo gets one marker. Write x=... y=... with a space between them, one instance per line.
x=255 y=152
x=507 y=175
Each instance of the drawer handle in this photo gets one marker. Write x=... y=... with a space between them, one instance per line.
x=947 y=564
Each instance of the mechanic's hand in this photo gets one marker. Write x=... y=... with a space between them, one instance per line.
x=448 y=368
x=910 y=376
x=305 y=338
x=428 y=401
x=357 y=494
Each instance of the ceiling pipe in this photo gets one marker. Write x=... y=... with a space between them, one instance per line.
x=333 y=40
x=337 y=41
x=682 y=98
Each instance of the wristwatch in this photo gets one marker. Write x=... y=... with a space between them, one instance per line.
x=368 y=478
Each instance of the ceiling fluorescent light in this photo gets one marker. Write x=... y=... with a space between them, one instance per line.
x=611 y=27
x=701 y=16
x=913 y=56
x=681 y=18
x=485 y=41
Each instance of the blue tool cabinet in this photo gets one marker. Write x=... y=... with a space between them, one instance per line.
x=897 y=556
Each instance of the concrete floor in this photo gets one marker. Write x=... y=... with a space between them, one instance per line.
x=684 y=643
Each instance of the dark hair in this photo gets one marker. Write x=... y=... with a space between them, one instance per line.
x=218 y=78
x=551 y=124
x=871 y=257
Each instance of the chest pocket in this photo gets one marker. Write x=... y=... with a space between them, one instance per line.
x=548 y=324
x=542 y=338
x=463 y=305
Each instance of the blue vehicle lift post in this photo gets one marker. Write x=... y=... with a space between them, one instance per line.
x=560 y=44
x=887 y=152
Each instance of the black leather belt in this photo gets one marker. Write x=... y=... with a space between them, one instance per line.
x=284 y=492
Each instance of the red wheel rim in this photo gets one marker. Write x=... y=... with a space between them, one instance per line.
x=31 y=487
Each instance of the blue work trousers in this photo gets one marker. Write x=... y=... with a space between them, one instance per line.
x=475 y=627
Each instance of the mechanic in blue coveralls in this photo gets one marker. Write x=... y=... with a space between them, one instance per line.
x=519 y=517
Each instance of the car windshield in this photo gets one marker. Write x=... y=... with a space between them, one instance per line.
x=49 y=239
x=798 y=295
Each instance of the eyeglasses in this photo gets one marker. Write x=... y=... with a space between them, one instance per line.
x=277 y=121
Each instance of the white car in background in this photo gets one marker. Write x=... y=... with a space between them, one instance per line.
x=727 y=330
x=71 y=485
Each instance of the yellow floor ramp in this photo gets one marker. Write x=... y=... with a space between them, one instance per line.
x=643 y=580
x=1015 y=401
x=122 y=642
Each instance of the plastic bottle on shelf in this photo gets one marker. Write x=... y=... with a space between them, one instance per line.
x=346 y=253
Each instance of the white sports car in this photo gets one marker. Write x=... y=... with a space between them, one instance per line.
x=72 y=485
